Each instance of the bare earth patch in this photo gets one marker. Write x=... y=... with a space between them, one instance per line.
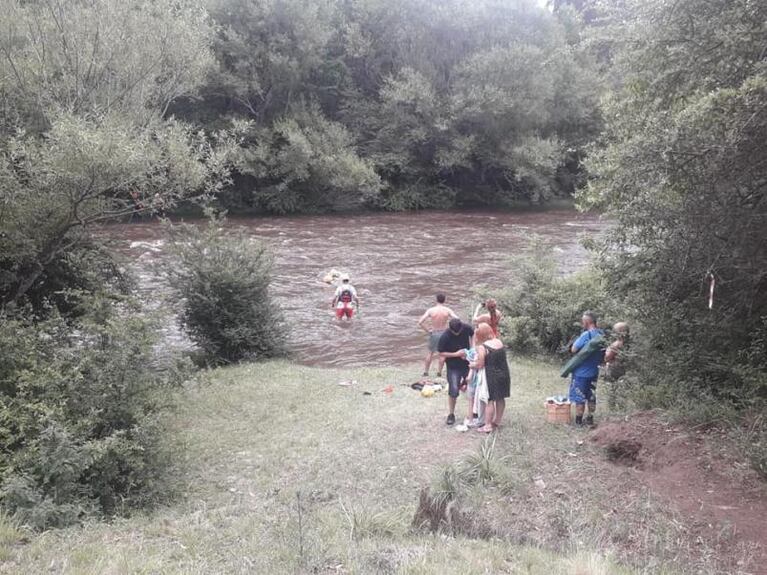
x=696 y=472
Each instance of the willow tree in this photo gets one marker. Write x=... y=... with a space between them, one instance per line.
x=84 y=88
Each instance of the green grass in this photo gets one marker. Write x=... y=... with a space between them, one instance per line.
x=285 y=471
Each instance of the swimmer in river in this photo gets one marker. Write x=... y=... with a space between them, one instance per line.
x=439 y=315
x=345 y=298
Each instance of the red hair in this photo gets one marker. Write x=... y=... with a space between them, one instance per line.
x=483 y=333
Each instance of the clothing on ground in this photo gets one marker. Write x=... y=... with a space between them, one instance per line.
x=450 y=342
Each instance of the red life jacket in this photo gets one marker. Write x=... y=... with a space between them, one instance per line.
x=346 y=295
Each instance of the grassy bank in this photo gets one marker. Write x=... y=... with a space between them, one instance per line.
x=288 y=472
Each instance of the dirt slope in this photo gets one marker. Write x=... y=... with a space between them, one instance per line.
x=698 y=474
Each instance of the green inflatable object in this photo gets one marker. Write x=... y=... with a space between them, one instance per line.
x=596 y=343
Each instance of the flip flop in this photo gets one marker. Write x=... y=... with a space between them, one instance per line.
x=484 y=429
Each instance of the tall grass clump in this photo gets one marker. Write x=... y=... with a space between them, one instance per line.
x=222 y=277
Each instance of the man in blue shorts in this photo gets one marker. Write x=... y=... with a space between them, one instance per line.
x=452 y=348
x=585 y=375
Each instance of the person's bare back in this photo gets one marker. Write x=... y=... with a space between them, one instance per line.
x=439 y=316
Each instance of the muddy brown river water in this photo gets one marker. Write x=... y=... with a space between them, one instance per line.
x=397 y=262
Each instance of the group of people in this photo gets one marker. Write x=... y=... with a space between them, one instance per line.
x=590 y=351
x=474 y=358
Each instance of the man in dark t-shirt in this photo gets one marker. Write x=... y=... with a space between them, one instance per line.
x=452 y=348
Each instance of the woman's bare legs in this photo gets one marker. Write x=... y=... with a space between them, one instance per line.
x=489 y=418
x=500 y=407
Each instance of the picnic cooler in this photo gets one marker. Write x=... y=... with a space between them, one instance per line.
x=558 y=412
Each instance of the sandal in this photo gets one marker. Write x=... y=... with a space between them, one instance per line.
x=485 y=429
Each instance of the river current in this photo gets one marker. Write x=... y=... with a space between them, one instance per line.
x=398 y=262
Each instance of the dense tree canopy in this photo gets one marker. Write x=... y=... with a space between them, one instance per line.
x=427 y=103
x=682 y=167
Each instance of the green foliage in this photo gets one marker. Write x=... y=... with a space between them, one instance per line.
x=93 y=58
x=54 y=189
x=681 y=170
x=83 y=90
x=223 y=278
x=449 y=102
x=307 y=163
x=542 y=309
x=80 y=418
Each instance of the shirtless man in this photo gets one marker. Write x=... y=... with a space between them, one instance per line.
x=439 y=315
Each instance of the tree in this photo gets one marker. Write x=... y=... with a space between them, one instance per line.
x=683 y=171
x=222 y=277
x=55 y=188
x=449 y=101
x=96 y=58
x=84 y=89
x=306 y=162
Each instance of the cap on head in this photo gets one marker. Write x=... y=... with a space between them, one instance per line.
x=455 y=325
x=345 y=277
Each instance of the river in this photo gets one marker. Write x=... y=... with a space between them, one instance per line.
x=398 y=262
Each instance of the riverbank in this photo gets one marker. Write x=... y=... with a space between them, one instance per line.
x=287 y=471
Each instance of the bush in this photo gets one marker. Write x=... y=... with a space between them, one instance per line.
x=80 y=418
x=223 y=278
x=542 y=310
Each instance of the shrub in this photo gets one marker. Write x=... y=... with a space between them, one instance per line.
x=542 y=309
x=80 y=418
x=223 y=278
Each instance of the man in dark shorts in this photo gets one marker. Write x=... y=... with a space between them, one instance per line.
x=452 y=348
